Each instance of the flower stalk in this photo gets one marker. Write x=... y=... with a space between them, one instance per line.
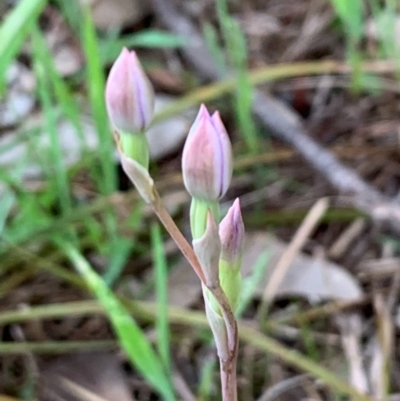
x=207 y=171
x=215 y=253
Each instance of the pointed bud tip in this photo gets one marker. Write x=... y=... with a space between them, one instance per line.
x=232 y=232
x=203 y=109
x=236 y=208
x=216 y=114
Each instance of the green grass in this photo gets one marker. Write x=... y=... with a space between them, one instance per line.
x=32 y=224
x=234 y=47
x=353 y=17
x=161 y=273
x=351 y=14
x=131 y=337
x=57 y=174
x=14 y=30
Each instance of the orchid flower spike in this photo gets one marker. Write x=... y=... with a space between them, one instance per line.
x=129 y=95
x=207 y=158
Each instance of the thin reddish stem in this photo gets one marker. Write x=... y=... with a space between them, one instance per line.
x=176 y=235
x=228 y=380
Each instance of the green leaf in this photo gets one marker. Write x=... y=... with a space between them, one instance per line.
x=351 y=14
x=212 y=41
x=14 y=30
x=106 y=178
x=251 y=283
x=50 y=122
x=121 y=247
x=153 y=39
x=62 y=93
x=130 y=335
x=6 y=202
x=161 y=272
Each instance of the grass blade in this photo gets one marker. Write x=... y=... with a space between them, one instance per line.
x=235 y=43
x=250 y=285
x=162 y=297
x=6 y=203
x=130 y=336
x=150 y=38
x=62 y=93
x=351 y=14
x=95 y=85
x=14 y=30
x=50 y=116
x=122 y=247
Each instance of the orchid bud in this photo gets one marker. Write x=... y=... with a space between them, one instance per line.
x=231 y=233
x=207 y=158
x=129 y=95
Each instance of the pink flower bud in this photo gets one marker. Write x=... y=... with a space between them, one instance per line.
x=207 y=158
x=231 y=234
x=129 y=94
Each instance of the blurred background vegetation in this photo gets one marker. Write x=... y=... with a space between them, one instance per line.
x=95 y=300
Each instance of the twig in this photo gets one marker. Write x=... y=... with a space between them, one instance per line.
x=280 y=388
x=286 y=125
x=306 y=228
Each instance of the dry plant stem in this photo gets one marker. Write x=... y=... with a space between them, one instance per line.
x=228 y=367
x=304 y=231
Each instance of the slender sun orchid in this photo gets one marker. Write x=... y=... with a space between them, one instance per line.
x=216 y=251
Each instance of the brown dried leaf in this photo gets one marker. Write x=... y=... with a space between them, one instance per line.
x=312 y=278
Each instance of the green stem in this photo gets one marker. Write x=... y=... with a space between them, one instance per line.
x=219 y=302
x=198 y=215
x=136 y=147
